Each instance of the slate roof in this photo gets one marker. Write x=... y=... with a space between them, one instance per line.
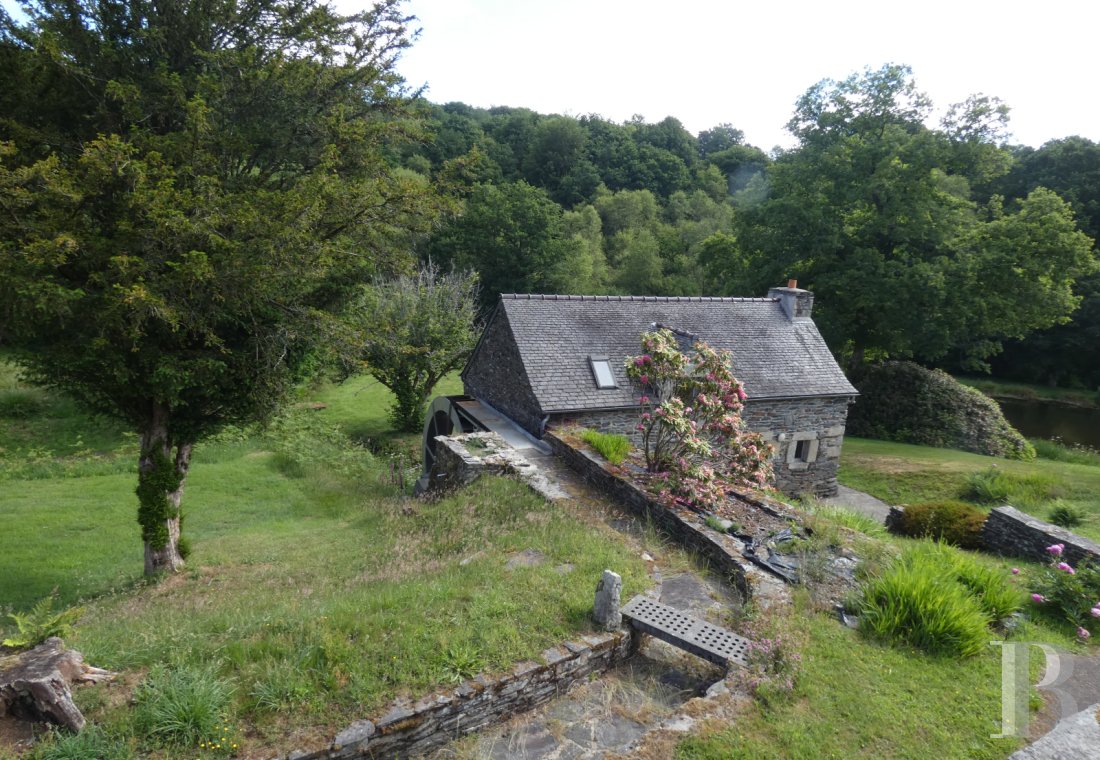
x=773 y=356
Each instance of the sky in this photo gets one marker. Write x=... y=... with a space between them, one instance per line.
x=708 y=62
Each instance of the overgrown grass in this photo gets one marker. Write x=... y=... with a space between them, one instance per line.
x=1059 y=452
x=611 y=446
x=317 y=588
x=904 y=474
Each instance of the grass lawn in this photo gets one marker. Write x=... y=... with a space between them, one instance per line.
x=317 y=590
x=859 y=698
x=900 y=473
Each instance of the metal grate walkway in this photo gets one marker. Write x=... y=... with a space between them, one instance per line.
x=704 y=640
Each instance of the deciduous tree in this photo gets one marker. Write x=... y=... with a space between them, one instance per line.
x=188 y=193
x=411 y=330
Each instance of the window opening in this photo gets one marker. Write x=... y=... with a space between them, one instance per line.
x=802 y=451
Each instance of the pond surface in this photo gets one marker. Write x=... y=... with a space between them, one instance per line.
x=1038 y=419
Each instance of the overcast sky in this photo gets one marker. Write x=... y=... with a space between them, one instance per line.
x=707 y=61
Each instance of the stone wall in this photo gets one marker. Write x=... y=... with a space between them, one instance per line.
x=1010 y=532
x=414 y=728
x=722 y=552
x=783 y=422
x=498 y=377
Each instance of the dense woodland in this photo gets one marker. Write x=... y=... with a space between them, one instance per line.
x=946 y=244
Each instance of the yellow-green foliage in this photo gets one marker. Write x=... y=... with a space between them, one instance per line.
x=937 y=599
x=612 y=447
x=41 y=623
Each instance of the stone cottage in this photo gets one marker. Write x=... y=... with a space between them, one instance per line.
x=551 y=360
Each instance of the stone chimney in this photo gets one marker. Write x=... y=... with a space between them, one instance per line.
x=796 y=303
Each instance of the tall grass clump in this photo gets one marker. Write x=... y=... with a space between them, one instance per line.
x=181 y=707
x=1057 y=451
x=611 y=446
x=935 y=599
x=997 y=486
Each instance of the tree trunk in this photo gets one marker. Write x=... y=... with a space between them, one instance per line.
x=161 y=478
x=855 y=362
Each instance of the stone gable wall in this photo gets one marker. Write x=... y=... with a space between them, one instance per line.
x=497 y=377
x=820 y=421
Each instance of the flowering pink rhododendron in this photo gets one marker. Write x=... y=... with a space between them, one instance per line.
x=1095 y=612
x=692 y=430
x=1065 y=567
x=1082 y=633
x=1056 y=549
x=1015 y=571
x=1037 y=598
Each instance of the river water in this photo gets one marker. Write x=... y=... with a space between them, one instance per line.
x=1037 y=419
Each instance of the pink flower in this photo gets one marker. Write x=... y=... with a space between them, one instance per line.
x=740 y=394
x=639 y=361
x=1082 y=633
x=643 y=400
x=1064 y=566
x=1056 y=549
x=1038 y=598
x=644 y=379
x=1095 y=612
x=1015 y=571
x=646 y=416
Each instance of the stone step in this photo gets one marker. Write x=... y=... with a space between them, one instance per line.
x=717 y=645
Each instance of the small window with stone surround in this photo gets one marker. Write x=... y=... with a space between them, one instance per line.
x=802 y=450
x=601 y=370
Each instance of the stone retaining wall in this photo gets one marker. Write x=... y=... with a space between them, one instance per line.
x=1010 y=532
x=410 y=729
x=722 y=552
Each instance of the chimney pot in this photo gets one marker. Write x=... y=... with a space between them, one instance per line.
x=792 y=283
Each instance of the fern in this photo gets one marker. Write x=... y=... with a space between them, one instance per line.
x=41 y=623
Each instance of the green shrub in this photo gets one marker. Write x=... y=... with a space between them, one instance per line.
x=997 y=486
x=89 y=744
x=1067 y=515
x=953 y=522
x=902 y=401
x=611 y=446
x=181 y=707
x=939 y=602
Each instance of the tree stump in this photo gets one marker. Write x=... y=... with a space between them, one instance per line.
x=34 y=685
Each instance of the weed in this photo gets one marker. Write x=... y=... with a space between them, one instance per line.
x=716 y=524
x=460 y=662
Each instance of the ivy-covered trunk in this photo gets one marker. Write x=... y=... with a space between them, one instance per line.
x=162 y=469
